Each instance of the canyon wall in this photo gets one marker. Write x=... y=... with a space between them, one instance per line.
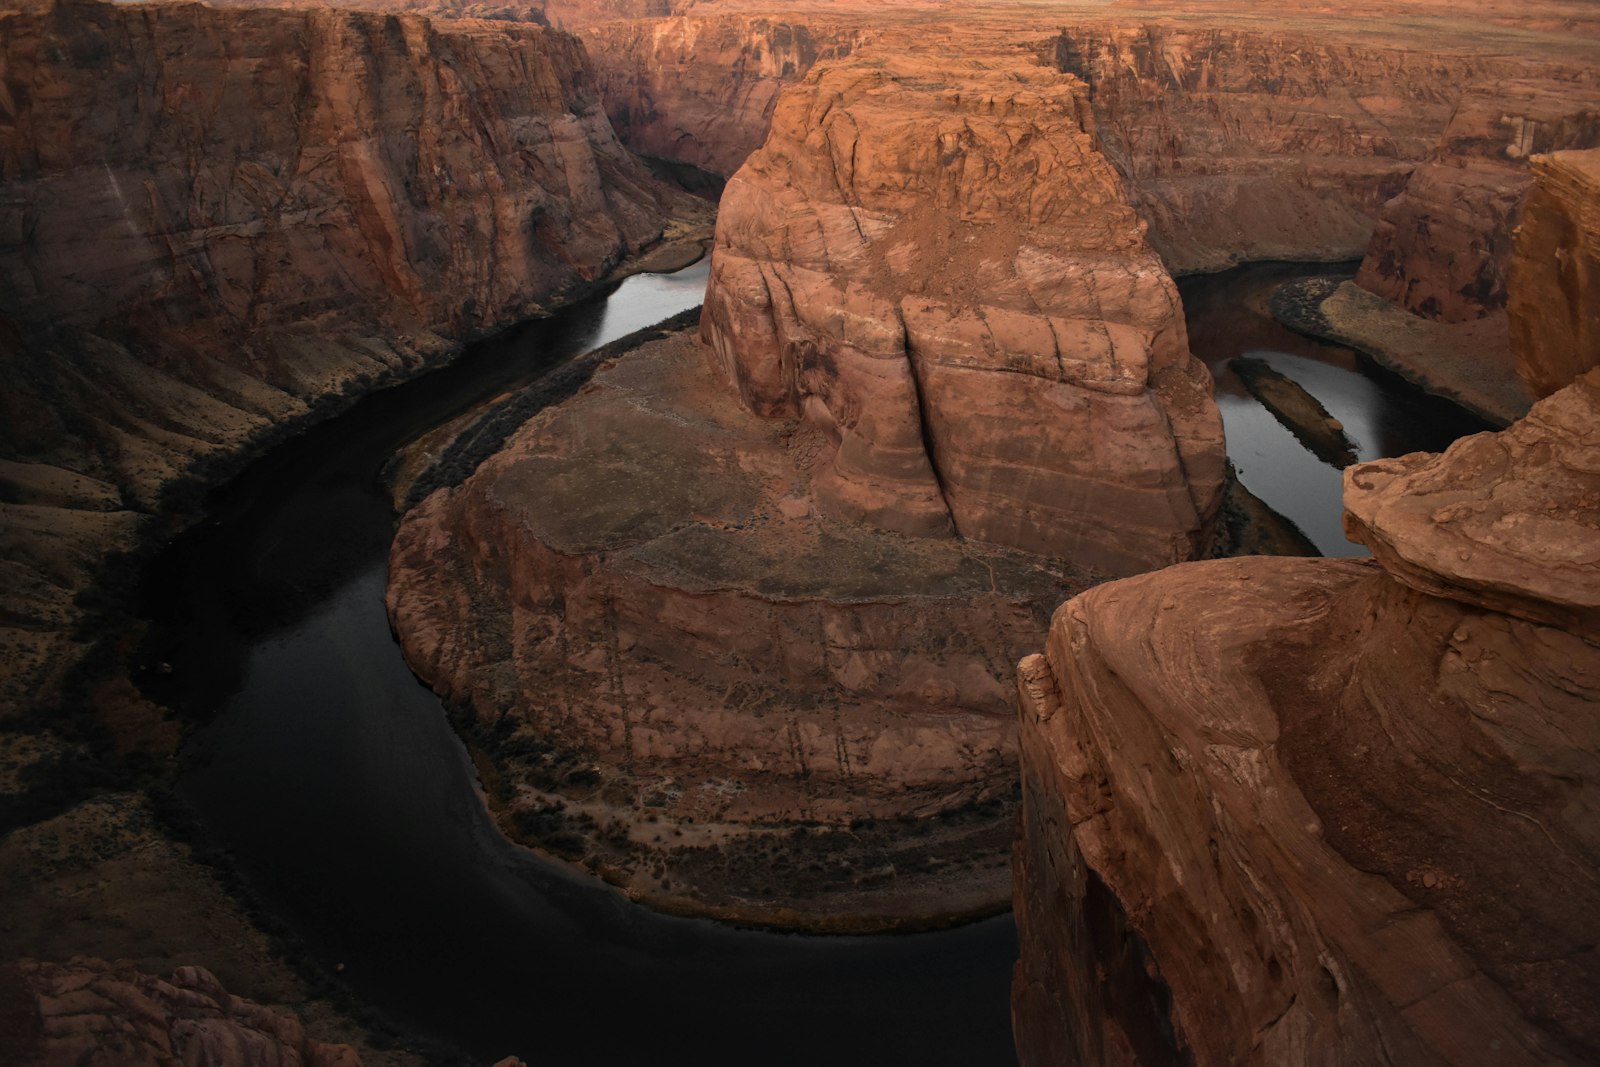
x=735 y=624
x=1555 y=293
x=932 y=264
x=215 y=223
x=1295 y=811
x=702 y=90
x=1285 y=143
x=1442 y=248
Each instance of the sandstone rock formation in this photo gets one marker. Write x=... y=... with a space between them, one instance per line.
x=702 y=90
x=1295 y=811
x=1555 y=296
x=1442 y=248
x=90 y=1013
x=677 y=667
x=715 y=599
x=933 y=264
x=1336 y=812
x=214 y=223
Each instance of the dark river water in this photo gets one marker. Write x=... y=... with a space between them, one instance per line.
x=1382 y=415
x=352 y=810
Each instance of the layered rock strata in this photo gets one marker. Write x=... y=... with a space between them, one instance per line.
x=702 y=90
x=1297 y=811
x=91 y=1013
x=708 y=621
x=935 y=267
x=1555 y=298
x=213 y=223
x=687 y=679
x=1442 y=248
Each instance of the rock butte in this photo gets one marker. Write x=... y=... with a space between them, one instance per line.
x=721 y=585
x=1294 y=811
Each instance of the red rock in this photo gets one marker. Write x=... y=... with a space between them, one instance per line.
x=1442 y=248
x=937 y=269
x=216 y=224
x=1297 y=811
x=1509 y=521
x=1555 y=295
x=677 y=667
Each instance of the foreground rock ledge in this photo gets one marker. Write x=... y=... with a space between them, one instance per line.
x=1296 y=811
x=673 y=670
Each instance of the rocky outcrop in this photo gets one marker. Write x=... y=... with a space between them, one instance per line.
x=1293 y=811
x=1442 y=248
x=1555 y=296
x=213 y=224
x=708 y=621
x=90 y=1012
x=932 y=264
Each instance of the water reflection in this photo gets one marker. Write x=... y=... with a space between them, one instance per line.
x=1228 y=317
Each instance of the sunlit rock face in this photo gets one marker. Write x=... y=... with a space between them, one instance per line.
x=711 y=617
x=214 y=224
x=1294 y=811
x=932 y=264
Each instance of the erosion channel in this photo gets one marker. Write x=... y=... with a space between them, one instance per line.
x=351 y=809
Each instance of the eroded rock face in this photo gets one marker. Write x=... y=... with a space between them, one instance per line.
x=702 y=689
x=702 y=90
x=214 y=223
x=1555 y=298
x=89 y=1012
x=1442 y=248
x=933 y=265
x=1346 y=811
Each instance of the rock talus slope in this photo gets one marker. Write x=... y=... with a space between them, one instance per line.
x=213 y=223
x=934 y=266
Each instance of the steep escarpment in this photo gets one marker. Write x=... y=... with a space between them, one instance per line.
x=1285 y=143
x=1329 y=811
x=709 y=622
x=1442 y=248
x=689 y=681
x=1344 y=810
x=1555 y=295
x=702 y=90
x=216 y=222
x=934 y=266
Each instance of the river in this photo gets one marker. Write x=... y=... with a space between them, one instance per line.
x=352 y=811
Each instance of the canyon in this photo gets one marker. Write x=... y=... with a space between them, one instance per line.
x=735 y=626
x=714 y=598
x=1344 y=812
x=265 y=214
